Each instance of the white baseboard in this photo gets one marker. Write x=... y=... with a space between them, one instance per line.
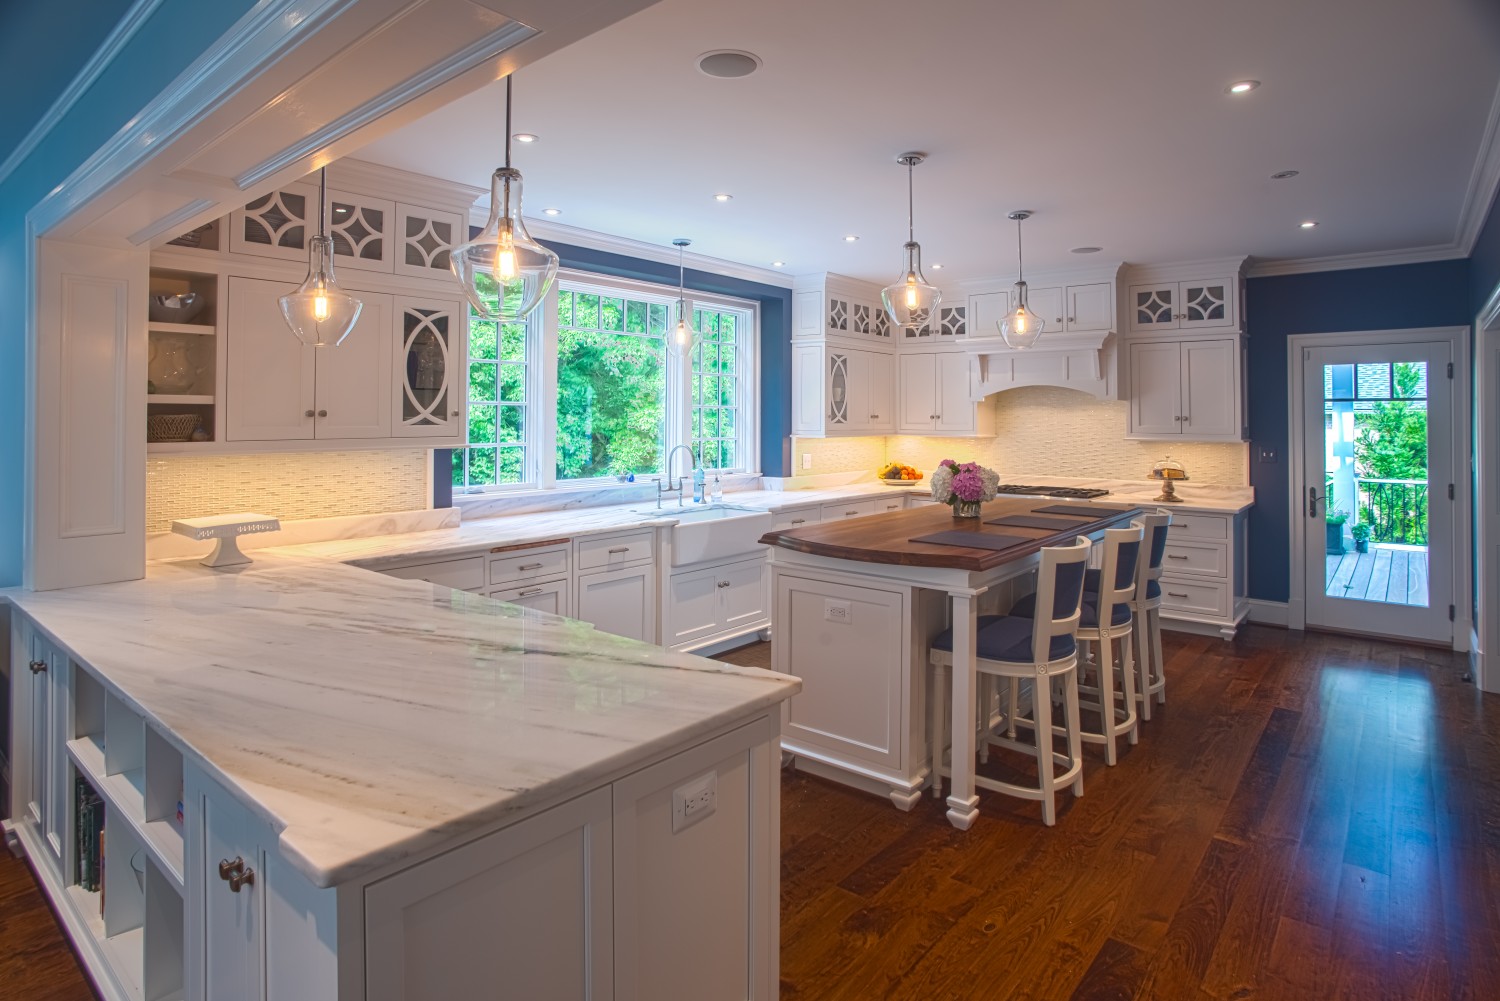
x=1270 y=613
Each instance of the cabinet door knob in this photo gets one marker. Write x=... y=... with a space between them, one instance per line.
x=322 y=413
x=1071 y=320
x=37 y=666
x=241 y=879
x=722 y=583
x=228 y=868
x=307 y=413
x=455 y=413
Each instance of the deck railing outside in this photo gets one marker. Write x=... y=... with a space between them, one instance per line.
x=1396 y=510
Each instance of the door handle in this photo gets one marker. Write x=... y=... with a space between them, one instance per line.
x=1312 y=501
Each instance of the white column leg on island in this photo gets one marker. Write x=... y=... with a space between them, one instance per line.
x=963 y=805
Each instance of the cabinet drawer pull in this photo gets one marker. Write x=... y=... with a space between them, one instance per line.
x=529 y=566
x=619 y=549
x=799 y=521
x=228 y=868
x=241 y=879
x=874 y=417
x=1177 y=594
x=1174 y=556
x=529 y=592
x=722 y=583
x=850 y=514
x=37 y=666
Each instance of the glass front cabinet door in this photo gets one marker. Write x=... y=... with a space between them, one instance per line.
x=429 y=358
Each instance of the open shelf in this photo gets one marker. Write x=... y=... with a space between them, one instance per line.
x=205 y=329
x=180 y=399
x=184 y=359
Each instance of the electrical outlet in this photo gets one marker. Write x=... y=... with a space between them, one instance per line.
x=806 y=460
x=1267 y=453
x=838 y=611
x=694 y=801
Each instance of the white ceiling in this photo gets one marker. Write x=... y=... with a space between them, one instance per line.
x=1107 y=118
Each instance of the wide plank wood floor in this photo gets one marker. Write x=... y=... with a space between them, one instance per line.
x=1396 y=576
x=1310 y=816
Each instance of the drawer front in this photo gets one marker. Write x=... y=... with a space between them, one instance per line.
x=895 y=502
x=1208 y=559
x=528 y=564
x=615 y=550
x=461 y=575
x=1198 y=526
x=848 y=509
x=547 y=596
x=798 y=518
x=1200 y=597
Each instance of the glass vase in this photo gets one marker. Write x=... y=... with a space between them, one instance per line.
x=966 y=509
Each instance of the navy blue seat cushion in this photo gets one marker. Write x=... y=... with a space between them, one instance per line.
x=1007 y=638
x=1091 y=585
x=1088 y=617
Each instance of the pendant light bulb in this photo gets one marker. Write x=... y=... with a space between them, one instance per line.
x=680 y=342
x=1021 y=327
x=910 y=301
x=504 y=272
x=318 y=312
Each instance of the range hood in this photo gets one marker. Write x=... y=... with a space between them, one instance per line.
x=1083 y=360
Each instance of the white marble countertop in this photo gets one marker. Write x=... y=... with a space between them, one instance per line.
x=367 y=718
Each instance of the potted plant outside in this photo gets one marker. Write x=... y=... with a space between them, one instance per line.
x=1361 y=536
x=1335 y=532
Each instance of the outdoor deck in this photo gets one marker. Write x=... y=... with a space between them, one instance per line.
x=1396 y=575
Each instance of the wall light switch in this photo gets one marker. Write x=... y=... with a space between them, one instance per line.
x=806 y=460
x=838 y=611
x=694 y=801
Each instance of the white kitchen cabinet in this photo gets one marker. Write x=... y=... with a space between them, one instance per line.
x=897 y=502
x=1187 y=390
x=431 y=396
x=425 y=238
x=1087 y=306
x=233 y=917
x=842 y=391
x=351 y=393
x=622 y=601
x=847 y=509
x=715 y=603
x=936 y=396
x=532 y=903
x=1184 y=305
x=796 y=518
x=362 y=229
x=1090 y=307
x=1048 y=303
x=41 y=674
x=1204 y=574
x=829 y=305
x=545 y=596
x=276 y=225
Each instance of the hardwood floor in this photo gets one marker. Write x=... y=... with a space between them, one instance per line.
x=1310 y=816
x=1396 y=575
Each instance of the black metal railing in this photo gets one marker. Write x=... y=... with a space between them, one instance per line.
x=1396 y=510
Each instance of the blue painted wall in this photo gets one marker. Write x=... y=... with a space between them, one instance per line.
x=775 y=335
x=142 y=69
x=1412 y=295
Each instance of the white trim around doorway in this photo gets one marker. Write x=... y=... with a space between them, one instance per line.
x=1485 y=634
x=1458 y=341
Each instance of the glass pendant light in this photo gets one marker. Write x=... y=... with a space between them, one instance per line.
x=683 y=336
x=505 y=273
x=319 y=312
x=910 y=300
x=1021 y=327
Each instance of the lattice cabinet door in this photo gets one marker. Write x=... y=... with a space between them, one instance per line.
x=1208 y=303
x=838 y=318
x=424 y=238
x=838 y=389
x=430 y=350
x=953 y=321
x=276 y=225
x=1155 y=307
x=363 y=231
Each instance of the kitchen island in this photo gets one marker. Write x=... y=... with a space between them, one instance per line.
x=856 y=605
x=319 y=782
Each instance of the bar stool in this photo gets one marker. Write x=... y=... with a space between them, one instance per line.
x=1106 y=618
x=1037 y=649
x=1146 y=606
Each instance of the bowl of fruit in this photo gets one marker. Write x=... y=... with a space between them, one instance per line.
x=897 y=474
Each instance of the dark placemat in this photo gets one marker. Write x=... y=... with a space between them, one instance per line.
x=1031 y=521
x=1092 y=513
x=973 y=540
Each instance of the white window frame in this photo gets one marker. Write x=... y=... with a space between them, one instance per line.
x=538 y=409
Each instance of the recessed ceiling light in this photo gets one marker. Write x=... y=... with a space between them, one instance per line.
x=850 y=238
x=728 y=64
x=723 y=198
x=778 y=264
x=551 y=211
x=1309 y=224
x=1242 y=87
x=1087 y=250
x=524 y=137
x=937 y=267
x=1282 y=175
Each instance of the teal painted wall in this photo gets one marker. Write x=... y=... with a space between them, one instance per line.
x=32 y=77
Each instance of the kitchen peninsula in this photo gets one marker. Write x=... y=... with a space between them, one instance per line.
x=856 y=606
x=320 y=782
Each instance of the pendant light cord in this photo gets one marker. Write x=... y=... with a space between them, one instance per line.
x=508 y=78
x=322 y=200
x=911 y=231
x=1020 y=261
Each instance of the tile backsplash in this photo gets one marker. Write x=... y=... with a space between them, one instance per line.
x=288 y=485
x=1041 y=430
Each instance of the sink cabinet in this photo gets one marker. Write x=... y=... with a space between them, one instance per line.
x=716 y=603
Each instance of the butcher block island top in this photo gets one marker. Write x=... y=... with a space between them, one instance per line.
x=888 y=538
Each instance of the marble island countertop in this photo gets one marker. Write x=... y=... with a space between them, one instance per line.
x=367 y=718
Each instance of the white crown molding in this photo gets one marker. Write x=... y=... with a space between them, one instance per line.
x=123 y=31
x=429 y=192
x=578 y=237
x=1039 y=278
x=1350 y=262
x=1484 y=180
x=1184 y=270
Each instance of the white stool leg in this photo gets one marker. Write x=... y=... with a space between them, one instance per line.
x=1075 y=726
x=1127 y=678
x=1157 y=660
x=1041 y=712
x=1011 y=710
x=1106 y=672
x=1141 y=639
x=939 y=708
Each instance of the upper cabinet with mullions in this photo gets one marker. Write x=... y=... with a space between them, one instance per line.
x=1185 y=305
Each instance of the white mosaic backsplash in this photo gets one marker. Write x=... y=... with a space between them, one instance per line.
x=290 y=486
x=1041 y=431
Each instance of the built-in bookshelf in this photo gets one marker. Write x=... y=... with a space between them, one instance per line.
x=127 y=884
x=183 y=363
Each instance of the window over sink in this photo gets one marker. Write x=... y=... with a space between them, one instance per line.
x=586 y=391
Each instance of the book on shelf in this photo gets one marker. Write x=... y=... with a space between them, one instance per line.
x=88 y=826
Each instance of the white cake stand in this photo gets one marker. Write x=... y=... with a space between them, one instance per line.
x=226 y=528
